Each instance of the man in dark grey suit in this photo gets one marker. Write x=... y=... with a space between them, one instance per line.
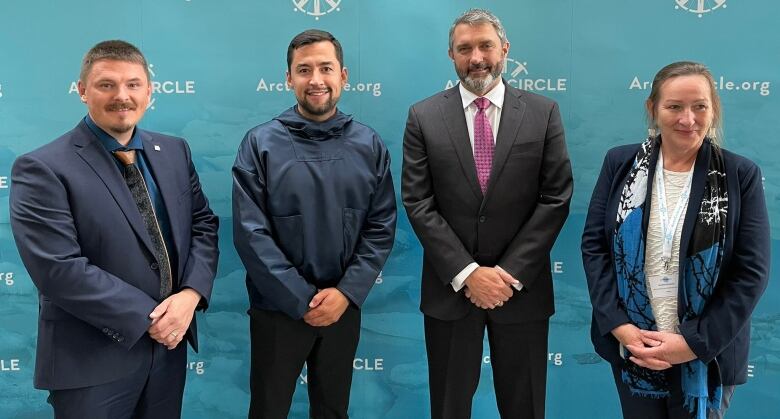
x=486 y=185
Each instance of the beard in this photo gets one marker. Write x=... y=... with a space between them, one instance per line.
x=121 y=127
x=480 y=85
x=319 y=110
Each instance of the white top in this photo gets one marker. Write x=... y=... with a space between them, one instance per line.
x=493 y=112
x=664 y=308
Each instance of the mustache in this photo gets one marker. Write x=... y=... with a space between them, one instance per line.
x=480 y=66
x=121 y=105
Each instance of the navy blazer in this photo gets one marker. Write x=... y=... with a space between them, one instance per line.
x=722 y=331
x=84 y=244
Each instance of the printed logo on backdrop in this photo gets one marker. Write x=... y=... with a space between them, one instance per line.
x=358 y=364
x=159 y=87
x=316 y=8
x=374 y=88
x=9 y=365
x=722 y=83
x=7 y=278
x=517 y=74
x=555 y=358
x=3 y=182
x=1 y=89
x=700 y=7
x=198 y=367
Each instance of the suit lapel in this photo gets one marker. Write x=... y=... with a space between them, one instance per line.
x=455 y=121
x=159 y=159
x=508 y=128
x=95 y=155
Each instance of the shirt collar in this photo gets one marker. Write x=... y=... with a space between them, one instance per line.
x=109 y=142
x=495 y=95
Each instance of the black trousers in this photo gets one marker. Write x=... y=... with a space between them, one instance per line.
x=155 y=391
x=672 y=407
x=280 y=347
x=518 y=356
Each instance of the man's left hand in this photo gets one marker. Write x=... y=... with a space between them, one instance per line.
x=326 y=307
x=172 y=317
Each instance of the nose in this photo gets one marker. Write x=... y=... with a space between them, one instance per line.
x=687 y=118
x=476 y=56
x=315 y=79
x=122 y=93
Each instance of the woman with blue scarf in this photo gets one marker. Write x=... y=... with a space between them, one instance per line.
x=676 y=253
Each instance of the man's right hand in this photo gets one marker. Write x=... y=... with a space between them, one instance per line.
x=486 y=288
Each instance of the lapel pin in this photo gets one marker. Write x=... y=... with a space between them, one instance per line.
x=156 y=147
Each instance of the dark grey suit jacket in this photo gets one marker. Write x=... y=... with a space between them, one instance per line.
x=517 y=221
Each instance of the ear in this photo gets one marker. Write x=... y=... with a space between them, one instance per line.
x=505 y=49
x=288 y=78
x=452 y=56
x=344 y=76
x=82 y=91
x=650 y=107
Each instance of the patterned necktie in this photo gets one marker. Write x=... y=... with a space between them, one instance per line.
x=483 y=143
x=135 y=181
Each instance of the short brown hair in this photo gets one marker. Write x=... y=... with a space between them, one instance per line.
x=117 y=50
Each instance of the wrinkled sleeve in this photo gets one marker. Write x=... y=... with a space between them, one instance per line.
x=443 y=248
x=535 y=239
x=742 y=282
x=46 y=236
x=376 y=235
x=268 y=268
x=597 y=258
x=201 y=266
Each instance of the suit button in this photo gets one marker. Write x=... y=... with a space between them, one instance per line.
x=153 y=266
x=120 y=339
x=482 y=218
x=105 y=330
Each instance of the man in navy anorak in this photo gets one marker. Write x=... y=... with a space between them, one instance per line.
x=314 y=219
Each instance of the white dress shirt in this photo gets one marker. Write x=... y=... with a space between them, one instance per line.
x=493 y=112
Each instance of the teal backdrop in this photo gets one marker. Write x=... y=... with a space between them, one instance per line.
x=218 y=70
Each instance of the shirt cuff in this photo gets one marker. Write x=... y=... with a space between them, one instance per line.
x=457 y=282
x=519 y=286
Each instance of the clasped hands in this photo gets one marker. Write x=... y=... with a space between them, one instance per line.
x=172 y=317
x=653 y=350
x=488 y=288
x=326 y=307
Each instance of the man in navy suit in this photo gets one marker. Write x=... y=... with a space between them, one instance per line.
x=117 y=236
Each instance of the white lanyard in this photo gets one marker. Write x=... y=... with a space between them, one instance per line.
x=668 y=227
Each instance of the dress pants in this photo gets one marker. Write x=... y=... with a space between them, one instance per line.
x=153 y=392
x=280 y=347
x=518 y=356
x=672 y=407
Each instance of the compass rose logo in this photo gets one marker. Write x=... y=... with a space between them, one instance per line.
x=316 y=8
x=700 y=6
x=515 y=68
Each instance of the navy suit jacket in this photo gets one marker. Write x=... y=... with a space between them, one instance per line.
x=722 y=331
x=84 y=244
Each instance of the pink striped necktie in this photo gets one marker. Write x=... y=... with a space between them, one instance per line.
x=483 y=143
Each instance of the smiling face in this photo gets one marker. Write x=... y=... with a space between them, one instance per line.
x=116 y=94
x=478 y=55
x=317 y=78
x=683 y=112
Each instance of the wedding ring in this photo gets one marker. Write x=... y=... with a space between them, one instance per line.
x=174 y=334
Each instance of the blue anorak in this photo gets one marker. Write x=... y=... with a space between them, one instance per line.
x=313 y=208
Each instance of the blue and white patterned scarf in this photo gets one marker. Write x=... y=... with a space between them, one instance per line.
x=700 y=382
